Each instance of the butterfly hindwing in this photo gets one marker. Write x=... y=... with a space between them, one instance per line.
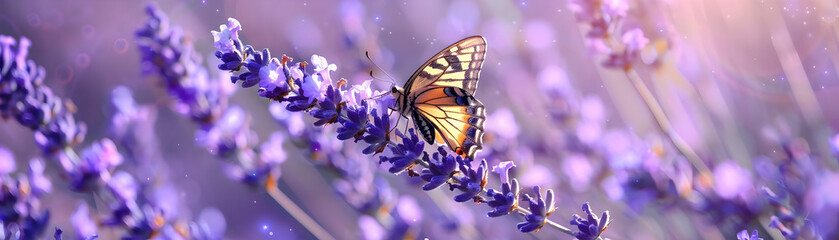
x=457 y=117
x=423 y=126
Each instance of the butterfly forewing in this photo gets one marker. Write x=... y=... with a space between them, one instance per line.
x=440 y=97
x=458 y=65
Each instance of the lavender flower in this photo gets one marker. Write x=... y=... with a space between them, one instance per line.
x=366 y=193
x=794 y=179
x=94 y=167
x=744 y=235
x=440 y=170
x=85 y=227
x=786 y=219
x=359 y=93
x=20 y=205
x=322 y=69
x=634 y=41
x=311 y=85
x=62 y=131
x=404 y=153
x=123 y=186
x=227 y=39
x=24 y=98
x=507 y=200
x=591 y=227
x=604 y=19
x=261 y=67
x=165 y=51
x=39 y=183
x=132 y=127
x=329 y=108
x=209 y=226
x=353 y=126
x=272 y=85
x=272 y=150
x=56 y=129
x=540 y=210
x=229 y=133
x=472 y=182
x=377 y=133
x=258 y=170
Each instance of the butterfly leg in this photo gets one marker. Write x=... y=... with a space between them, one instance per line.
x=404 y=130
x=397 y=122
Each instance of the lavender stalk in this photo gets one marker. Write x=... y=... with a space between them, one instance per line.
x=309 y=90
x=225 y=129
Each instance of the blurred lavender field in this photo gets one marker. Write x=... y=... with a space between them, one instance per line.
x=683 y=119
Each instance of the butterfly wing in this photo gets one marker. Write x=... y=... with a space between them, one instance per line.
x=439 y=97
x=458 y=65
x=451 y=114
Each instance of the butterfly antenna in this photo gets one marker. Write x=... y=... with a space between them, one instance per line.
x=367 y=53
x=378 y=79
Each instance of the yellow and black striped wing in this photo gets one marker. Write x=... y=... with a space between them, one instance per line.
x=458 y=65
x=453 y=116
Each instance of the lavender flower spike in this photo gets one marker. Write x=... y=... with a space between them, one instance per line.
x=473 y=181
x=592 y=226
x=225 y=39
x=744 y=235
x=20 y=205
x=540 y=210
x=377 y=133
x=94 y=168
x=353 y=125
x=506 y=201
x=84 y=225
x=440 y=170
x=404 y=153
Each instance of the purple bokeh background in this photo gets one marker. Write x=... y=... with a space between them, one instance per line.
x=730 y=81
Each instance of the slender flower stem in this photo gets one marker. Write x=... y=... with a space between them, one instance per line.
x=296 y=212
x=553 y=224
x=664 y=124
x=71 y=154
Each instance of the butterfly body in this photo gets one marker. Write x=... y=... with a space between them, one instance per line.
x=439 y=97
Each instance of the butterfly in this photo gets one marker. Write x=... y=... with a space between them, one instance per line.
x=439 y=97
